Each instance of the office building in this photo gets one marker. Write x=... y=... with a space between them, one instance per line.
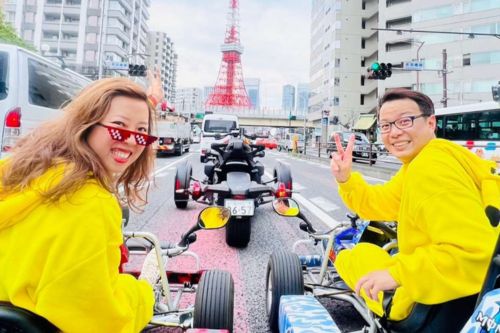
x=162 y=56
x=302 y=99
x=252 y=86
x=288 y=98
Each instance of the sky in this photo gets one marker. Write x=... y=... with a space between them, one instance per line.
x=274 y=34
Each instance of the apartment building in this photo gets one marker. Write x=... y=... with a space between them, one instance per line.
x=84 y=33
x=189 y=101
x=342 y=44
x=162 y=56
x=473 y=62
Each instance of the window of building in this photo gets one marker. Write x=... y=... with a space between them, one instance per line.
x=466 y=59
x=92 y=21
x=399 y=22
x=336 y=101
x=73 y=2
x=89 y=55
x=337 y=62
x=52 y=18
x=28 y=35
x=71 y=18
x=91 y=38
x=397 y=46
x=337 y=81
x=29 y=17
x=481 y=58
x=93 y=3
x=389 y=3
x=54 y=2
x=362 y=100
x=362 y=80
x=363 y=43
x=433 y=13
x=480 y=5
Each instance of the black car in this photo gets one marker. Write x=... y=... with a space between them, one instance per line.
x=362 y=146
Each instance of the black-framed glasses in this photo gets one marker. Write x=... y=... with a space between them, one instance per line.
x=401 y=123
x=120 y=134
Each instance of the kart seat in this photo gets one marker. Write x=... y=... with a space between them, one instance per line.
x=18 y=320
x=450 y=316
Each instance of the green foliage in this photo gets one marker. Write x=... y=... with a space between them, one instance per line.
x=9 y=36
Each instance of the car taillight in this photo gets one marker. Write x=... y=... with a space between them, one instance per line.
x=11 y=129
x=239 y=197
x=469 y=144
x=281 y=192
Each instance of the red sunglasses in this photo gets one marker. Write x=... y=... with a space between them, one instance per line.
x=120 y=134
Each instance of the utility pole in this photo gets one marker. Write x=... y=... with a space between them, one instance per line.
x=418 y=60
x=444 y=101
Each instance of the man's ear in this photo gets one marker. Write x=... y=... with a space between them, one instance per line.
x=431 y=120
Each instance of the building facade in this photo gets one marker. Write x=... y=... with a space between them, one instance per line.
x=473 y=62
x=162 y=56
x=189 y=101
x=302 y=99
x=89 y=35
x=288 y=98
x=252 y=86
x=342 y=43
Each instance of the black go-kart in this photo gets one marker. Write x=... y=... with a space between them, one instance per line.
x=234 y=180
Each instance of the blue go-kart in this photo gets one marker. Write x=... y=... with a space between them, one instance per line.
x=295 y=282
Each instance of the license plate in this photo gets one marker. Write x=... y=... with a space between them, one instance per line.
x=240 y=207
x=364 y=154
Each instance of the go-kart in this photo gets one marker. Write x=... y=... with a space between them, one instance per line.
x=213 y=306
x=293 y=284
x=234 y=180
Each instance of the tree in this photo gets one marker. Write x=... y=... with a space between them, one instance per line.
x=9 y=36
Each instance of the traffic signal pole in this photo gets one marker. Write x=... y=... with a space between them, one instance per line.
x=444 y=101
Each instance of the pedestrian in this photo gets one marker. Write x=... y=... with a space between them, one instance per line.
x=438 y=197
x=60 y=214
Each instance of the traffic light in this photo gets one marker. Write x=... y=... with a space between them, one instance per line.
x=495 y=91
x=379 y=71
x=137 y=70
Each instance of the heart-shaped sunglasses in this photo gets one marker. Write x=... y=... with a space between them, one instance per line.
x=120 y=134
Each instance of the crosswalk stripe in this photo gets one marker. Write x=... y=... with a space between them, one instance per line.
x=325 y=204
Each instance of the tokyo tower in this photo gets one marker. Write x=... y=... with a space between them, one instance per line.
x=229 y=91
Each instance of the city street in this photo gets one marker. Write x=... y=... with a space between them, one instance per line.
x=316 y=194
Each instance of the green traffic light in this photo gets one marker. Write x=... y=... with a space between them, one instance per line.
x=375 y=66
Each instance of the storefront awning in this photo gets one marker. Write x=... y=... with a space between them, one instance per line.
x=365 y=121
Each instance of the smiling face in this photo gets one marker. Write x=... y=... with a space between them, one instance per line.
x=127 y=113
x=405 y=144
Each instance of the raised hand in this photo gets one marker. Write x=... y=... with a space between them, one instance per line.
x=341 y=163
x=155 y=86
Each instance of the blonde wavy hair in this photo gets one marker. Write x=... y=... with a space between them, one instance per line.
x=64 y=140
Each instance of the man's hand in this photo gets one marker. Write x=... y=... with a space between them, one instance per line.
x=374 y=282
x=341 y=163
x=155 y=86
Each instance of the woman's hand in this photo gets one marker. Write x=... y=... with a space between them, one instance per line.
x=155 y=86
x=341 y=163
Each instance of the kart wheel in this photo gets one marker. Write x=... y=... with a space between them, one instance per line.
x=182 y=181
x=283 y=277
x=213 y=307
x=238 y=232
x=283 y=175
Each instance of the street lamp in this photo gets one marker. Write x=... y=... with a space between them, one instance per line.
x=418 y=60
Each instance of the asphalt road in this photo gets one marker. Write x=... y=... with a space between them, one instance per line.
x=317 y=196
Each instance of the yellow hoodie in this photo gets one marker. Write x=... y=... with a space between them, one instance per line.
x=445 y=238
x=61 y=260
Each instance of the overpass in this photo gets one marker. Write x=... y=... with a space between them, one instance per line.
x=266 y=118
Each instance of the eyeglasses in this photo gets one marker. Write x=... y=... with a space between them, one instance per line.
x=120 y=134
x=401 y=123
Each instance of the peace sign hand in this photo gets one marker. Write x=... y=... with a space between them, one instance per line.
x=341 y=163
x=155 y=86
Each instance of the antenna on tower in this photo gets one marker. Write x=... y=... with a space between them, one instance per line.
x=229 y=91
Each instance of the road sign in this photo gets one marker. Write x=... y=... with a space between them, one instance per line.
x=199 y=115
x=413 y=65
x=117 y=65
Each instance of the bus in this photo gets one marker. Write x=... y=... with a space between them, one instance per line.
x=475 y=126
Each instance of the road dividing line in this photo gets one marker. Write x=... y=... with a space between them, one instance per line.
x=324 y=217
x=156 y=172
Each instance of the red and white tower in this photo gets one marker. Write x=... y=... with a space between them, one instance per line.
x=229 y=91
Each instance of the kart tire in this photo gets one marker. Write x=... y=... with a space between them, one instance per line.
x=183 y=178
x=283 y=174
x=238 y=232
x=283 y=277
x=213 y=307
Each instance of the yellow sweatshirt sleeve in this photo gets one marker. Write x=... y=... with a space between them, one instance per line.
x=373 y=202
x=80 y=289
x=448 y=241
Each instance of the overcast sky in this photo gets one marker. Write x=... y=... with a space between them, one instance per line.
x=274 y=34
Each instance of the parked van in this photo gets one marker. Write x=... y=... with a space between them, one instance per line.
x=287 y=142
x=32 y=90
x=215 y=124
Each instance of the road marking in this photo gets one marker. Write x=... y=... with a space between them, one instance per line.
x=321 y=215
x=156 y=172
x=298 y=187
x=326 y=205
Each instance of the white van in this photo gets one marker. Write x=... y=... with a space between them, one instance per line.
x=32 y=90
x=215 y=124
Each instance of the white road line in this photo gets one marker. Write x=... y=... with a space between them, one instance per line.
x=325 y=204
x=321 y=215
x=158 y=171
x=298 y=187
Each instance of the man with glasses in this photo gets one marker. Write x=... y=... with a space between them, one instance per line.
x=445 y=239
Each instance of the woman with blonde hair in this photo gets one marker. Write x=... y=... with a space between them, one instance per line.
x=60 y=216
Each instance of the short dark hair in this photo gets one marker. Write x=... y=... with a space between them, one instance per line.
x=425 y=104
